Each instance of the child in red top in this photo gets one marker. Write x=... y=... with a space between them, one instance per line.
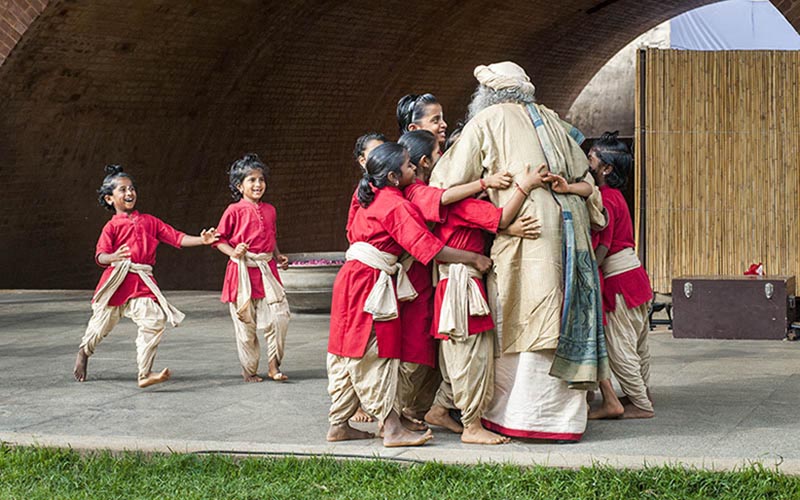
x=626 y=287
x=365 y=333
x=252 y=286
x=364 y=145
x=127 y=249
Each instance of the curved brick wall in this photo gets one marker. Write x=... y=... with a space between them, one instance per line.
x=175 y=92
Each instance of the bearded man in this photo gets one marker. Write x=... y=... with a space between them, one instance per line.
x=544 y=293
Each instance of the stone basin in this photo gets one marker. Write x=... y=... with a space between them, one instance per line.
x=309 y=288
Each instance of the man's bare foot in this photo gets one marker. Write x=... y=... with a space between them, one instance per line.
x=608 y=410
x=251 y=378
x=278 y=377
x=343 y=432
x=439 y=415
x=477 y=434
x=361 y=416
x=155 y=378
x=413 y=424
x=632 y=411
x=394 y=434
x=79 y=372
x=590 y=395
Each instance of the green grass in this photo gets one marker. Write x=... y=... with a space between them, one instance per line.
x=34 y=473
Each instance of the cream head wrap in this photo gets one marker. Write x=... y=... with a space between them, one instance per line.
x=504 y=75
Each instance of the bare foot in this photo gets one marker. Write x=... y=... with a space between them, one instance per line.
x=275 y=371
x=343 y=432
x=477 y=434
x=608 y=410
x=251 y=378
x=636 y=412
x=278 y=377
x=414 y=415
x=413 y=424
x=362 y=416
x=439 y=415
x=157 y=378
x=394 y=434
x=590 y=396
x=79 y=372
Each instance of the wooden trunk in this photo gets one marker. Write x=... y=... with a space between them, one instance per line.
x=733 y=307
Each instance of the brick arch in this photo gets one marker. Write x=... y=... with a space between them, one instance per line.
x=175 y=92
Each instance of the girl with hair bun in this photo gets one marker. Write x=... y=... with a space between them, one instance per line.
x=625 y=286
x=252 y=287
x=366 y=332
x=127 y=249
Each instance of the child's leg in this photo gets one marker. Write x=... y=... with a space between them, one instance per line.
x=439 y=413
x=152 y=321
x=611 y=407
x=276 y=336
x=100 y=325
x=344 y=402
x=406 y=391
x=622 y=339
x=426 y=380
x=470 y=365
x=246 y=345
x=642 y=347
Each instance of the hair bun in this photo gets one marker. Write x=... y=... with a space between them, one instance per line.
x=251 y=157
x=113 y=169
x=610 y=136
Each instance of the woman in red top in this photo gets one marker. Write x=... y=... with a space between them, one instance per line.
x=365 y=333
x=256 y=299
x=127 y=249
x=626 y=287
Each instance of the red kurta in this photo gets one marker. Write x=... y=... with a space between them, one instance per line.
x=390 y=224
x=464 y=229
x=351 y=212
x=142 y=233
x=634 y=285
x=416 y=315
x=244 y=222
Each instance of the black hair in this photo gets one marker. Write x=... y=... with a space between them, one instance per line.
x=611 y=151
x=113 y=173
x=411 y=109
x=386 y=158
x=419 y=143
x=453 y=135
x=361 y=143
x=239 y=170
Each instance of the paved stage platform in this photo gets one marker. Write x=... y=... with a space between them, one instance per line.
x=719 y=404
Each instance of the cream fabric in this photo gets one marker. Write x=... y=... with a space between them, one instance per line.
x=246 y=333
x=621 y=262
x=504 y=75
x=410 y=376
x=462 y=299
x=368 y=380
x=467 y=375
x=425 y=381
x=117 y=276
x=529 y=272
x=628 y=352
x=277 y=315
x=148 y=316
x=382 y=300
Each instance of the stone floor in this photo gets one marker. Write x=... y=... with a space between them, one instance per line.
x=720 y=404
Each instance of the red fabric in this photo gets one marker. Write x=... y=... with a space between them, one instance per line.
x=428 y=199
x=244 y=222
x=416 y=317
x=391 y=224
x=142 y=233
x=464 y=229
x=634 y=285
x=351 y=212
x=555 y=436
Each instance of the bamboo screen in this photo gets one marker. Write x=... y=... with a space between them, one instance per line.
x=717 y=152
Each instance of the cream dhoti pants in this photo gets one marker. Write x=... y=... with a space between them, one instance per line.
x=417 y=385
x=147 y=315
x=628 y=353
x=370 y=380
x=467 y=375
x=246 y=333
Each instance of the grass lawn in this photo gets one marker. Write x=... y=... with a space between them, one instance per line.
x=34 y=473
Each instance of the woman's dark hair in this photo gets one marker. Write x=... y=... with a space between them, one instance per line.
x=361 y=143
x=411 y=109
x=454 y=135
x=113 y=173
x=611 y=151
x=419 y=143
x=239 y=170
x=386 y=158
